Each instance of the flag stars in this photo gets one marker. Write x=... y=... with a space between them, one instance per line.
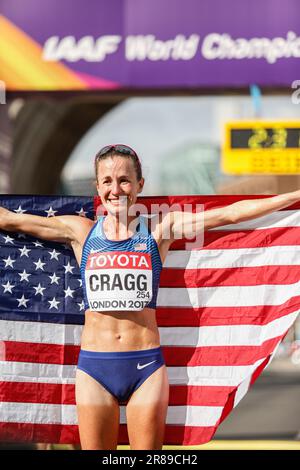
x=37 y=243
x=53 y=303
x=24 y=251
x=8 y=287
x=54 y=279
x=22 y=301
x=39 y=265
x=82 y=212
x=20 y=210
x=54 y=254
x=8 y=239
x=69 y=268
x=39 y=290
x=50 y=212
x=9 y=262
x=80 y=282
x=69 y=292
x=24 y=276
x=81 y=305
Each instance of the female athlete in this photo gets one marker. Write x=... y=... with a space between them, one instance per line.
x=120 y=259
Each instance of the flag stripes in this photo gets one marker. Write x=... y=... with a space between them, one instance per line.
x=206 y=355
x=225 y=335
x=223 y=309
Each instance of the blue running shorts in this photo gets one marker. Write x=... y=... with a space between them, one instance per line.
x=121 y=373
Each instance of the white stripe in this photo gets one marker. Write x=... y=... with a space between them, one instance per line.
x=233 y=258
x=187 y=415
x=227 y=296
x=36 y=372
x=196 y=375
x=230 y=376
x=227 y=335
x=66 y=414
x=40 y=332
x=37 y=413
x=194 y=415
x=286 y=218
x=245 y=385
x=242 y=390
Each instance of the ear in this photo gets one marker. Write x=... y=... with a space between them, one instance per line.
x=141 y=185
x=95 y=184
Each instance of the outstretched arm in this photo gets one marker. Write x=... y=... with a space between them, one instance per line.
x=240 y=211
x=62 y=229
x=252 y=208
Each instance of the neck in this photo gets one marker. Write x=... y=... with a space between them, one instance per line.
x=120 y=226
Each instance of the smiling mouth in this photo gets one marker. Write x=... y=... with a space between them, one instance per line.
x=118 y=201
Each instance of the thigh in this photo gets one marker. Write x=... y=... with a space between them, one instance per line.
x=98 y=414
x=146 y=412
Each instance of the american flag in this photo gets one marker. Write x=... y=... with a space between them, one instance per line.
x=223 y=309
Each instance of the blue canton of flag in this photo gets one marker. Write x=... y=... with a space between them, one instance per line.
x=40 y=280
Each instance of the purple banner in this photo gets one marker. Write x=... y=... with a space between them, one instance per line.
x=100 y=44
x=5 y=149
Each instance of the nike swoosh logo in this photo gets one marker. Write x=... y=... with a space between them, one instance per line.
x=139 y=367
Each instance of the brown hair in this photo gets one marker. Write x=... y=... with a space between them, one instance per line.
x=113 y=152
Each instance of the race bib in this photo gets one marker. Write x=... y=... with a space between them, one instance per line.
x=118 y=280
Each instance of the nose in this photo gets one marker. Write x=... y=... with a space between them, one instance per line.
x=115 y=188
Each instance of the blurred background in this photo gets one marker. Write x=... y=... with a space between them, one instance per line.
x=173 y=80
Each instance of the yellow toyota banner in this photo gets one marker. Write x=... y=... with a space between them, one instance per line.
x=261 y=147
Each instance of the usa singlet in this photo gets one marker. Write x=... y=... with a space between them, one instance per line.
x=120 y=274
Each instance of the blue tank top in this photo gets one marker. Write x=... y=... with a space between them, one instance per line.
x=120 y=274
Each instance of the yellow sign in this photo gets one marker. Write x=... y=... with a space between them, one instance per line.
x=261 y=147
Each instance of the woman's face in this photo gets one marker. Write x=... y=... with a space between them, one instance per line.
x=117 y=184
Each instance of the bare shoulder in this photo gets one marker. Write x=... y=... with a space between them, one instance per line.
x=160 y=225
x=80 y=226
x=75 y=221
x=161 y=232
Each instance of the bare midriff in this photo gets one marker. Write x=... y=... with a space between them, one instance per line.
x=120 y=331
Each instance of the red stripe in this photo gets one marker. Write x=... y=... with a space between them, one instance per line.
x=56 y=394
x=262 y=238
x=174 y=356
x=233 y=239
x=180 y=435
x=29 y=432
x=192 y=395
x=228 y=407
x=67 y=434
x=230 y=402
x=259 y=370
x=218 y=316
x=41 y=353
x=218 y=355
x=32 y=392
x=241 y=276
x=209 y=202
